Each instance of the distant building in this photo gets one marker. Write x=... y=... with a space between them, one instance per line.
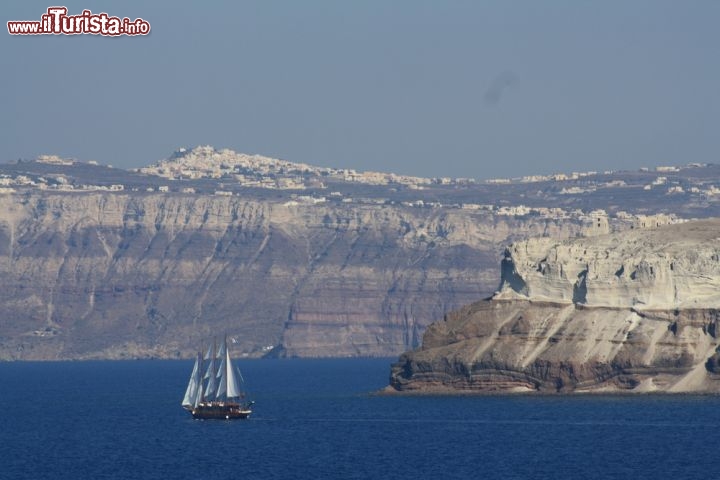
x=597 y=223
x=652 y=221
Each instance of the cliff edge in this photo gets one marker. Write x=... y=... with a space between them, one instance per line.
x=635 y=311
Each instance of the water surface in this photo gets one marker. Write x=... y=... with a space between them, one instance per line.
x=315 y=419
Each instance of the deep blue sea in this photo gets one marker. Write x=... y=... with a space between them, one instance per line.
x=317 y=419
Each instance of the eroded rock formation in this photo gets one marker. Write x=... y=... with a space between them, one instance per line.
x=634 y=311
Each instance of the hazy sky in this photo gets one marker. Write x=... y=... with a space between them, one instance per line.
x=434 y=88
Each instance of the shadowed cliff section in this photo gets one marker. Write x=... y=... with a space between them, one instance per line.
x=636 y=311
x=135 y=275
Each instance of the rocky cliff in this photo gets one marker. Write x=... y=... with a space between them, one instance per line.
x=136 y=274
x=635 y=311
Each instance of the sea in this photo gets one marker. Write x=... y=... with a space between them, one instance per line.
x=322 y=419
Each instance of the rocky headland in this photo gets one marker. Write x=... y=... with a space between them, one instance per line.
x=635 y=311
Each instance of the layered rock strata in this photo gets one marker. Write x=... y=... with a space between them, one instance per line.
x=130 y=275
x=636 y=311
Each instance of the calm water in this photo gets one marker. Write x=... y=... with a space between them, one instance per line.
x=314 y=419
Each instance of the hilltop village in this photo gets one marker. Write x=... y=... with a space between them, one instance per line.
x=209 y=171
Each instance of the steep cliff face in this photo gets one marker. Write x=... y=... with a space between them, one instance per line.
x=670 y=267
x=124 y=275
x=636 y=311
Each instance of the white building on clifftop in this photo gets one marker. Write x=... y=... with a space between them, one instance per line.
x=596 y=223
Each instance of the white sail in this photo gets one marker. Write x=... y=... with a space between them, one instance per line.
x=228 y=386
x=212 y=383
x=211 y=375
x=221 y=373
x=221 y=368
x=222 y=387
x=198 y=394
x=192 y=388
x=221 y=356
x=233 y=390
x=211 y=362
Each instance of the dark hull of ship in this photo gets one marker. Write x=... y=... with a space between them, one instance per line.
x=221 y=411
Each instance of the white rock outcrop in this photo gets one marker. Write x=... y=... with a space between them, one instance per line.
x=674 y=266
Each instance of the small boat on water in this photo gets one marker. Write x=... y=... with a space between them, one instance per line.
x=216 y=394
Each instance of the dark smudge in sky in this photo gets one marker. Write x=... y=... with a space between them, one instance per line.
x=498 y=86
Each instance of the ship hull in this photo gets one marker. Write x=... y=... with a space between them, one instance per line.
x=221 y=411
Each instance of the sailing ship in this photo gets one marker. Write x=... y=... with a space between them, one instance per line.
x=216 y=394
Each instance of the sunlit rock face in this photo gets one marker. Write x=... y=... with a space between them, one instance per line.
x=676 y=266
x=636 y=311
x=137 y=275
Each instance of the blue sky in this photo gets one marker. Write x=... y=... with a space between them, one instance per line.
x=434 y=88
